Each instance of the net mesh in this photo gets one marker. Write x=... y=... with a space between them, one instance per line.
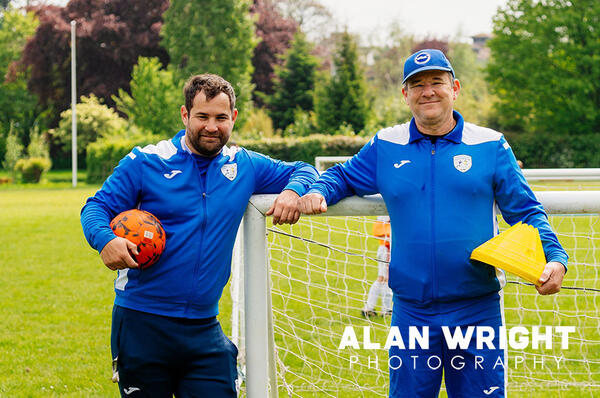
x=321 y=272
x=322 y=268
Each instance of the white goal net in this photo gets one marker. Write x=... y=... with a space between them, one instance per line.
x=319 y=275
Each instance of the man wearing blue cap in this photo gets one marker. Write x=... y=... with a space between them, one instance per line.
x=441 y=178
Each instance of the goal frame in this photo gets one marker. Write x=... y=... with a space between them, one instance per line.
x=259 y=343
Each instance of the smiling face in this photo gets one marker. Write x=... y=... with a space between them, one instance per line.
x=430 y=95
x=208 y=123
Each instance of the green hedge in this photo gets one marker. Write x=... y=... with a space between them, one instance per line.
x=103 y=156
x=32 y=169
x=535 y=150
x=556 y=151
x=306 y=148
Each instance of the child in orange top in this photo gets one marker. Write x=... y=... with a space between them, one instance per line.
x=379 y=288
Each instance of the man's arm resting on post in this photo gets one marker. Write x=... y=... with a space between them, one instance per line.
x=285 y=208
x=312 y=203
x=292 y=179
x=357 y=176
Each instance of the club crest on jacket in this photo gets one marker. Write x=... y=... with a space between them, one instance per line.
x=462 y=163
x=229 y=171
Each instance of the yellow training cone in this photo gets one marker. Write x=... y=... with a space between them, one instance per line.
x=517 y=250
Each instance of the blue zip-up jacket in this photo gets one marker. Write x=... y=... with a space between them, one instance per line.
x=441 y=200
x=200 y=215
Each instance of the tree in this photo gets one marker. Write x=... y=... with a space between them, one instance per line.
x=343 y=99
x=215 y=37
x=16 y=27
x=438 y=44
x=154 y=103
x=313 y=18
x=275 y=33
x=94 y=120
x=14 y=152
x=474 y=101
x=544 y=66
x=19 y=111
x=295 y=83
x=385 y=74
x=111 y=35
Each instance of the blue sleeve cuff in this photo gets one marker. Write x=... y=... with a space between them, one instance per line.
x=559 y=259
x=296 y=187
x=314 y=190
x=103 y=238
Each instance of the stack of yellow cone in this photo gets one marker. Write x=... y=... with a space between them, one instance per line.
x=517 y=250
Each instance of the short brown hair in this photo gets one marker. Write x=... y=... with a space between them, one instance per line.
x=211 y=85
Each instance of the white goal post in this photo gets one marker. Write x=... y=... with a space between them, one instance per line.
x=263 y=366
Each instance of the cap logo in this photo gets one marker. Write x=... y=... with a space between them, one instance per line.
x=422 y=58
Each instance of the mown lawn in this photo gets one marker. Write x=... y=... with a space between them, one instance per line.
x=56 y=301
x=55 y=298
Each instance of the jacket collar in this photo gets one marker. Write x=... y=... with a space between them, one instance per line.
x=455 y=135
x=178 y=141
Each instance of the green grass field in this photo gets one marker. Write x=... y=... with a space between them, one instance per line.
x=56 y=302
x=55 y=298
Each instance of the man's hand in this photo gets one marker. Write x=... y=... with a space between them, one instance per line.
x=285 y=208
x=312 y=203
x=551 y=278
x=116 y=254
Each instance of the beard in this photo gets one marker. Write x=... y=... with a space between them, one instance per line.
x=205 y=143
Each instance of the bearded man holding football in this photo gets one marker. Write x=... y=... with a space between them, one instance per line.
x=166 y=339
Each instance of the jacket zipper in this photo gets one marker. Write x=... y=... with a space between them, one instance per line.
x=203 y=188
x=433 y=245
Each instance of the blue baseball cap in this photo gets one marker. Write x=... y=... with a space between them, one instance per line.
x=423 y=60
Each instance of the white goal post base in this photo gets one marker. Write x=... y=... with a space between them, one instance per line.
x=260 y=361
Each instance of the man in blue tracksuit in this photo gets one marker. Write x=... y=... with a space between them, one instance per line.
x=441 y=179
x=165 y=337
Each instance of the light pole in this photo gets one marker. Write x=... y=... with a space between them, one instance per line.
x=73 y=106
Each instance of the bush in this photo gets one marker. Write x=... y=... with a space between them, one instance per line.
x=389 y=109
x=94 y=120
x=258 y=125
x=13 y=151
x=104 y=155
x=306 y=148
x=32 y=169
x=2 y=146
x=38 y=146
x=535 y=150
x=305 y=123
x=555 y=151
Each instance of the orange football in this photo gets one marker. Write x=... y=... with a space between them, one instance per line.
x=143 y=229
